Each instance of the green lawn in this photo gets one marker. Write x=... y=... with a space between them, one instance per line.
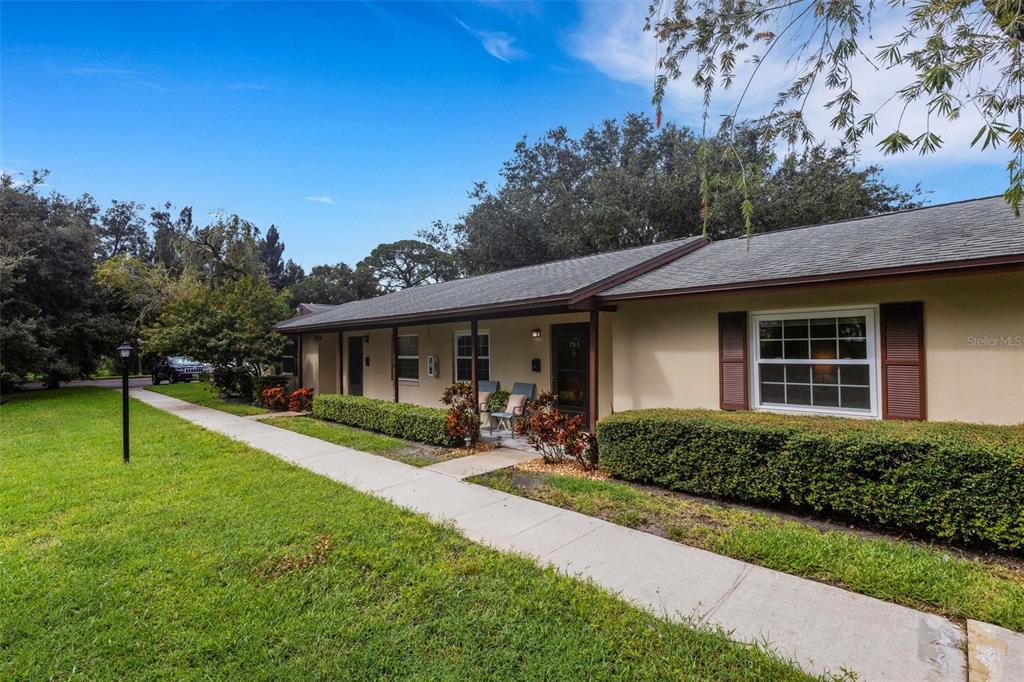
x=923 y=577
x=367 y=441
x=203 y=393
x=206 y=558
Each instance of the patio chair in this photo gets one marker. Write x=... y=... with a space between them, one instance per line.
x=485 y=389
x=516 y=407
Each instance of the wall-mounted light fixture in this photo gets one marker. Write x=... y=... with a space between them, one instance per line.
x=535 y=333
x=366 y=339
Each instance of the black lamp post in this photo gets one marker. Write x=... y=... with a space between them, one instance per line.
x=125 y=351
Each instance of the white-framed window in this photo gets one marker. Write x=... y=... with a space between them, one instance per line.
x=288 y=357
x=816 y=361
x=464 y=356
x=409 y=357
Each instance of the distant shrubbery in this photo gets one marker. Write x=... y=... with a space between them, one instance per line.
x=411 y=422
x=958 y=482
x=300 y=400
x=233 y=382
x=276 y=395
x=262 y=383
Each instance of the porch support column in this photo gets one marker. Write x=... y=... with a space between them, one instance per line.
x=592 y=394
x=473 y=378
x=340 y=360
x=298 y=357
x=394 y=359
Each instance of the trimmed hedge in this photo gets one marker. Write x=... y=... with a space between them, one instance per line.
x=401 y=420
x=958 y=482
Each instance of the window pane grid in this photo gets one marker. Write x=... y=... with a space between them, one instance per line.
x=814 y=361
x=408 y=366
x=464 y=359
x=819 y=388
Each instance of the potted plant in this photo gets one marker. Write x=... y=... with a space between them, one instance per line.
x=495 y=403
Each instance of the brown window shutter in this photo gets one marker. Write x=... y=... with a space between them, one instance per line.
x=732 y=360
x=902 y=359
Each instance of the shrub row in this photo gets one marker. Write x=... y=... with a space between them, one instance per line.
x=957 y=482
x=241 y=383
x=411 y=422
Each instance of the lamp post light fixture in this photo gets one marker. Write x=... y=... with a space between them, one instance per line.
x=125 y=351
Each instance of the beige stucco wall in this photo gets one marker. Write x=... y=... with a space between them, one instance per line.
x=376 y=377
x=310 y=360
x=320 y=362
x=666 y=350
x=512 y=350
x=327 y=371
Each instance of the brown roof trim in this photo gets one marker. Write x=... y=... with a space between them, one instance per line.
x=1011 y=262
x=635 y=271
x=536 y=306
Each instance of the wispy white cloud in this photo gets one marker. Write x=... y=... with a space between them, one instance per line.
x=320 y=200
x=611 y=38
x=497 y=43
x=112 y=73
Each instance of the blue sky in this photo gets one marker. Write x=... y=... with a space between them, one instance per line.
x=344 y=124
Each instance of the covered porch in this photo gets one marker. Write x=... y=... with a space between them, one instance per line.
x=539 y=325
x=567 y=352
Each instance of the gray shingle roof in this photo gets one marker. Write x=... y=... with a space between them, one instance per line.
x=547 y=282
x=967 y=230
x=316 y=307
x=931 y=236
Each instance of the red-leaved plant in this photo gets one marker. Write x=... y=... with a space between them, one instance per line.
x=559 y=437
x=275 y=398
x=301 y=400
x=462 y=420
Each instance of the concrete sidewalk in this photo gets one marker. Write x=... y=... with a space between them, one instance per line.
x=474 y=465
x=823 y=628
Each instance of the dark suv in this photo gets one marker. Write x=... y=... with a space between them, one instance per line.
x=176 y=368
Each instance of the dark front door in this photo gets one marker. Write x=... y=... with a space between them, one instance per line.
x=355 y=365
x=570 y=364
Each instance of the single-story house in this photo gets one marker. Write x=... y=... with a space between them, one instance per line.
x=915 y=314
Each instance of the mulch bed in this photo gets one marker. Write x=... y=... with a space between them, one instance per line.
x=476 y=449
x=539 y=466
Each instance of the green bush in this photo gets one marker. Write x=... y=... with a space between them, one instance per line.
x=233 y=382
x=957 y=482
x=412 y=422
x=269 y=381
